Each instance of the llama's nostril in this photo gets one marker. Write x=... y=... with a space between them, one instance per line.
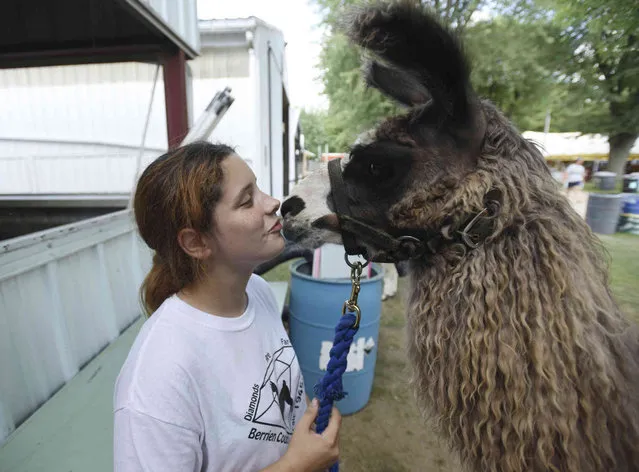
x=292 y=206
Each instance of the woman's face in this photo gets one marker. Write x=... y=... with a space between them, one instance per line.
x=247 y=229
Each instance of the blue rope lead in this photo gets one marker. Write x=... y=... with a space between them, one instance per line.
x=330 y=388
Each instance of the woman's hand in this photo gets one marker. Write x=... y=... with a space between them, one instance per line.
x=309 y=451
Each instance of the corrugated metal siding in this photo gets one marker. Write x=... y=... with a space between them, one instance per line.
x=181 y=16
x=221 y=63
x=32 y=167
x=106 y=112
x=108 y=104
x=34 y=362
x=64 y=295
x=36 y=166
x=57 y=76
x=112 y=112
x=77 y=129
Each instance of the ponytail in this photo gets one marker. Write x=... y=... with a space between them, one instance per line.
x=158 y=285
x=177 y=190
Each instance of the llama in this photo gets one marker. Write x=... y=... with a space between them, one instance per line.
x=518 y=350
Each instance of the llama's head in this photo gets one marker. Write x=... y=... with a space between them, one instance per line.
x=413 y=172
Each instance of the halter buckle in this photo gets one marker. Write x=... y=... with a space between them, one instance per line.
x=351 y=304
x=466 y=237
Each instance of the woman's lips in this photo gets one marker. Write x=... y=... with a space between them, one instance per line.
x=277 y=227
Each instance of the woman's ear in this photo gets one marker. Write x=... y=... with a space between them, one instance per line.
x=195 y=244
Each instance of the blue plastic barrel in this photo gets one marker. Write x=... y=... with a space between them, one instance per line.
x=631 y=204
x=629 y=221
x=315 y=308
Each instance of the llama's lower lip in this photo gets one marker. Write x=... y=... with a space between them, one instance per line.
x=329 y=222
x=293 y=235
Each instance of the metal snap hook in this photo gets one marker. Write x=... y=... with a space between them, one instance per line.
x=353 y=309
x=354 y=264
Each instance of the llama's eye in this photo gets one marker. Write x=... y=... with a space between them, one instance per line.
x=375 y=169
x=380 y=171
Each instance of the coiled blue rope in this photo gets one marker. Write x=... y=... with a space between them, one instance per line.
x=330 y=388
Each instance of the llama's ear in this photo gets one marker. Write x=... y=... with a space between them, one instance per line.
x=400 y=85
x=405 y=36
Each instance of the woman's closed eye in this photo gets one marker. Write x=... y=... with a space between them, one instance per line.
x=246 y=196
x=248 y=202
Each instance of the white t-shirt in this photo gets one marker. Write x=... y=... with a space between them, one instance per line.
x=200 y=392
x=575 y=173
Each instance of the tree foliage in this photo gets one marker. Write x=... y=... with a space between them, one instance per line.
x=577 y=59
x=603 y=68
x=353 y=107
x=513 y=64
x=312 y=123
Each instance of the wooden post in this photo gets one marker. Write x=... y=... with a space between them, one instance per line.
x=177 y=124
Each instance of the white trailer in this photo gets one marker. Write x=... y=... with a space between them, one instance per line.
x=68 y=130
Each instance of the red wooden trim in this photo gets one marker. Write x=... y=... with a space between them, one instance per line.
x=177 y=124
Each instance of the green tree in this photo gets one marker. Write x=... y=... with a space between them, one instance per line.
x=312 y=124
x=514 y=53
x=353 y=107
x=514 y=63
x=578 y=60
x=603 y=69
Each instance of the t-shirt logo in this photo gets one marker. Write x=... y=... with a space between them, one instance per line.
x=283 y=398
x=275 y=399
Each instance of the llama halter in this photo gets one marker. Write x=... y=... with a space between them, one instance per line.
x=408 y=246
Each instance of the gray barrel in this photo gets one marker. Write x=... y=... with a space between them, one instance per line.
x=604 y=180
x=602 y=214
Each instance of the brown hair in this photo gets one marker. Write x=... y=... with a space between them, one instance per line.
x=178 y=190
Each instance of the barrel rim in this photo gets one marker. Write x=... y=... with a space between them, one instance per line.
x=334 y=280
x=605 y=195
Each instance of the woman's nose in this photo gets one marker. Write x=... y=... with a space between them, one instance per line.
x=274 y=205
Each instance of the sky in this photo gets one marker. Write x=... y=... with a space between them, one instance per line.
x=298 y=20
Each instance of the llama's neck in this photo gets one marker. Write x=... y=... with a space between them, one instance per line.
x=523 y=328
x=540 y=269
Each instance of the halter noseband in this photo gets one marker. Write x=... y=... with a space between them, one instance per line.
x=414 y=243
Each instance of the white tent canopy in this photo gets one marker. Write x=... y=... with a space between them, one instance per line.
x=570 y=146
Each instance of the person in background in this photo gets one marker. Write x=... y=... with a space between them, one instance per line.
x=575 y=175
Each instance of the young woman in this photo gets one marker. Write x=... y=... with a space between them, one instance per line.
x=212 y=382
